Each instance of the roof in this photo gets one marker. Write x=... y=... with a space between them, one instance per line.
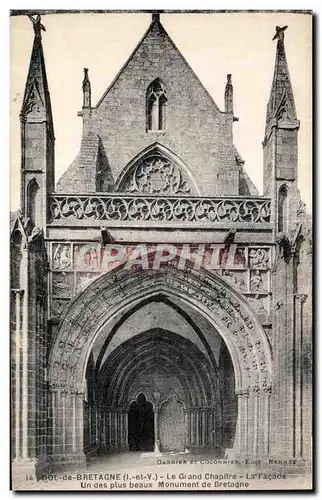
x=155 y=28
x=81 y=174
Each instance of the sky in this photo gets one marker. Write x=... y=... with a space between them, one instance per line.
x=213 y=44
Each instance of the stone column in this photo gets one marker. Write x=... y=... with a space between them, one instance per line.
x=102 y=437
x=156 y=430
x=109 y=426
x=197 y=417
x=194 y=430
x=203 y=424
x=264 y=421
x=189 y=442
x=126 y=443
x=24 y=377
x=17 y=297
x=256 y=423
x=186 y=428
x=121 y=430
x=78 y=425
x=67 y=428
x=242 y=429
x=298 y=348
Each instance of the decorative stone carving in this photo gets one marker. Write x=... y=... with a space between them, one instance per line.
x=284 y=245
x=279 y=304
x=156 y=175
x=63 y=284
x=301 y=297
x=127 y=208
x=57 y=307
x=258 y=257
x=61 y=256
x=198 y=286
x=301 y=209
x=240 y=256
x=256 y=282
x=237 y=279
x=36 y=234
x=83 y=280
x=258 y=307
x=38 y=26
x=87 y=257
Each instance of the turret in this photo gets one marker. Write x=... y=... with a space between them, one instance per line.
x=280 y=143
x=37 y=136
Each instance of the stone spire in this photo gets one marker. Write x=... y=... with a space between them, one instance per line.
x=37 y=136
x=36 y=99
x=86 y=90
x=281 y=104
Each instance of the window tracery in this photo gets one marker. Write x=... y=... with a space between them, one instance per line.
x=155 y=175
x=156 y=104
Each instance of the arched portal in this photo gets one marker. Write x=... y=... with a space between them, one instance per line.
x=208 y=294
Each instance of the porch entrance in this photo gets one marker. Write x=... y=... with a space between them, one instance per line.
x=141 y=425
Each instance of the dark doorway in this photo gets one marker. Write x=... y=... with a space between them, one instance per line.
x=141 y=425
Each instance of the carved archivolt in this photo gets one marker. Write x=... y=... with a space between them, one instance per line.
x=107 y=296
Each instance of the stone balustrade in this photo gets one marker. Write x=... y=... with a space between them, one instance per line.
x=119 y=208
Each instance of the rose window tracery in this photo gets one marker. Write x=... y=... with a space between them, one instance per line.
x=156 y=175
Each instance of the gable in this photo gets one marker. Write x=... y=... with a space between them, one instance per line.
x=196 y=130
x=147 y=50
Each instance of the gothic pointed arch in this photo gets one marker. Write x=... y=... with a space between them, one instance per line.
x=282 y=203
x=34 y=202
x=227 y=310
x=157 y=171
x=154 y=299
x=112 y=293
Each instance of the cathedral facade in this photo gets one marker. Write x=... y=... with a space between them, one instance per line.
x=158 y=302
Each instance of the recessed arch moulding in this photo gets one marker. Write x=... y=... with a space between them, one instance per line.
x=223 y=307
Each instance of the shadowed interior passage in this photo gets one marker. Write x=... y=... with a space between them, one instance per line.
x=141 y=425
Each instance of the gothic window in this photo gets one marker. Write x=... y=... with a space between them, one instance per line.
x=156 y=105
x=282 y=210
x=34 y=202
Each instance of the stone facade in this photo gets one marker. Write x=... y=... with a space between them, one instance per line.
x=209 y=350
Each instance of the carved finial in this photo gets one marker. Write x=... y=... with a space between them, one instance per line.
x=156 y=17
x=86 y=79
x=279 y=32
x=37 y=25
x=86 y=90
x=229 y=96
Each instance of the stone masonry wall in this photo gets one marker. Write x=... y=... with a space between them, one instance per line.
x=196 y=130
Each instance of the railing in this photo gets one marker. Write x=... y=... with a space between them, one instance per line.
x=127 y=208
